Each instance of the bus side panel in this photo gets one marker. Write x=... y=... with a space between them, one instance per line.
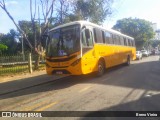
x=114 y=54
x=89 y=62
x=107 y=52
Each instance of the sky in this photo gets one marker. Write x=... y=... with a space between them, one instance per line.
x=143 y=9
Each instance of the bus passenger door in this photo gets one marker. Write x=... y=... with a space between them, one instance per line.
x=88 y=59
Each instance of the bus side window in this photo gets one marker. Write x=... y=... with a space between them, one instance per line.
x=107 y=37
x=125 y=41
x=98 y=35
x=87 y=40
x=84 y=42
x=103 y=36
x=133 y=42
x=114 y=39
x=121 y=41
x=111 y=38
x=90 y=40
x=118 y=40
x=129 y=42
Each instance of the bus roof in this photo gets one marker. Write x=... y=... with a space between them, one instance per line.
x=91 y=24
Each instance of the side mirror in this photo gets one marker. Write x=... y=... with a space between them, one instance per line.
x=87 y=33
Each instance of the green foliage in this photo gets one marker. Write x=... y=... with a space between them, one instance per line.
x=93 y=10
x=26 y=26
x=11 y=41
x=154 y=43
x=139 y=29
x=3 y=47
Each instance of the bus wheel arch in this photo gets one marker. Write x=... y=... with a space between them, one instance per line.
x=101 y=67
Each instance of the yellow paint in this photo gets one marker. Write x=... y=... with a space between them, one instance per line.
x=26 y=101
x=30 y=108
x=84 y=89
x=47 y=106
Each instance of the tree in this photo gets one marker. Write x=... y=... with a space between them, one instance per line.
x=155 y=43
x=3 y=48
x=3 y=6
x=93 y=10
x=47 y=11
x=139 y=29
x=62 y=10
x=26 y=26
x=11 y=41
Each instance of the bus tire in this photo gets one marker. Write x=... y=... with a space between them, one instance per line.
x=128 y=60
x=101 y=68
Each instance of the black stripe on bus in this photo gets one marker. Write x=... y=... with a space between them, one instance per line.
x=61 y=59
x=61 y=67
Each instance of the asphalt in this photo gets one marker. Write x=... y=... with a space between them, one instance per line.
x=9 y=84
x=122 y=88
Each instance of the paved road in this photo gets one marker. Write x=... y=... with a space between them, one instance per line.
x=123 y=88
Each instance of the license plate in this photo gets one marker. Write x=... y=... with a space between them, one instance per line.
x=59 y=72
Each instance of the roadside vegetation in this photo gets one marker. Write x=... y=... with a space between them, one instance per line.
x=16 y=69
x=139 y=29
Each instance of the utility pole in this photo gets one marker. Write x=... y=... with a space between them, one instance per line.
x=40 y=31
x=39 y=19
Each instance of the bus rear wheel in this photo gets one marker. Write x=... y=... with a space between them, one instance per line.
x=101 y=68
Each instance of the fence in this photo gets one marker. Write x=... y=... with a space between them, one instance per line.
x=11 y=64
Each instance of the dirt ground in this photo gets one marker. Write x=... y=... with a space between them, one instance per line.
x=21 y=76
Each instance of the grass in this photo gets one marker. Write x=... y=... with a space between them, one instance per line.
x=17 y=69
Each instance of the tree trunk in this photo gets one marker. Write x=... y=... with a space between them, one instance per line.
x=37 y=60
x=38 y=54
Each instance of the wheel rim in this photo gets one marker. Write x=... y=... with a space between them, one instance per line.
x=100 y=69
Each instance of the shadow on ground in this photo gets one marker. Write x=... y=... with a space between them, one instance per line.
x=137 y=76
x=149 y=104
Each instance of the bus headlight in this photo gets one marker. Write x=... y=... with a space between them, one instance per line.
x=75 y=62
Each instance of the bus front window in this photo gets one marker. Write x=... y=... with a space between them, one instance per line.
x=64 y=41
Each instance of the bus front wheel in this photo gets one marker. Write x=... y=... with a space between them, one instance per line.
x=101 y=68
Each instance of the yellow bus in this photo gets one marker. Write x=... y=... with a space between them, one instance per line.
x=82 y=47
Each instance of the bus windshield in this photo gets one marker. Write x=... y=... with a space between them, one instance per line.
x=64 y=41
